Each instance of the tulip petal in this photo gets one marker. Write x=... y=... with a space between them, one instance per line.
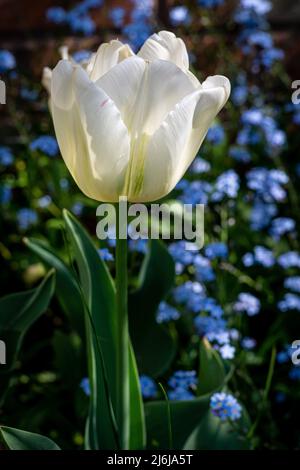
x=94 y=165
x=122 y=84
x=145 y=92
x=107 y=138
x=174 y=145
x=61 y=91
x=166 y=46
x=107 y=56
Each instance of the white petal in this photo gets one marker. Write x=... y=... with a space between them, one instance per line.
x=122 y=84
x=107 y=138
x=165 y=45
x=107 y=56
x=46 y=78
x=61 y=89
x=218 y=81
x=175 y=144
x=72 y=144
x=145 y=92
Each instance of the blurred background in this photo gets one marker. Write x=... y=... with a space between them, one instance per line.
x=242 y=291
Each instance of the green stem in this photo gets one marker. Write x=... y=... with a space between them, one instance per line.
x=122 y=411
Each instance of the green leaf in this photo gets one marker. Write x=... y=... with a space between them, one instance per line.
x=211 y=369
x=137 y=437
x=213 y=434
x=99 y=296
x=156 y=279
x=185 y=415
x=17 y=313
x=66 y=289
x=16 y=439
x=68 y=350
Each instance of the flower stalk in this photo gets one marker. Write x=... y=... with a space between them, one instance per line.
x=122 y=411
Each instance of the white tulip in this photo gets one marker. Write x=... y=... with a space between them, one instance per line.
x=130 y=125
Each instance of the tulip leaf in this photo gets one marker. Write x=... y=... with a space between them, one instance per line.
x=156 y=279
x=185 y=416
x=99 y=297
x=211 y=370
x=17 y=313
x=66 y=289
x=137 y=435
x=16 y=439
x=213 y=434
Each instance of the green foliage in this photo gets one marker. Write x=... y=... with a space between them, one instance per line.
x=99 y=298
x=213 y=434
x=211 y=369
x=155 y=281
x=17 y=313
x=16 y=439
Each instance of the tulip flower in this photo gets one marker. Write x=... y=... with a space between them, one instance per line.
x=130 y=125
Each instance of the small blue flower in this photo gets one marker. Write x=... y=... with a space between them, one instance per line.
x=44 y=201
x=289 y=302
x=85 y=386
x=239 y=94
x=56 y=15
x=267 y=183
x=240 y=154
x=262 y=39
x=7 y=61
x=227 y=184
x=284 y=356
x=77 y=208
x=225 y=406
x=216 y=134
x=5 y=194
x=292 y=283
x=82 y=56
x=182 y=383
x=281 y=226
x=140 y=245
x=166 y=313
x=196 y=192
x=261 y=255
x=148 y=387
x=216 y=250
x=117 y=15
x=189 y=292
x=248 y=343
x=6 y=156
x=227 y=351
x=247 y=303
x=29 y=95
x=203 y=269
x=105 y=254
x=261 y=7
x=46 y=144
x=200 y=165
x=209 y=326
x=26 y=218
x=180 y=15
x=294 y=373
x=261 y=214
x=82 y=24
x=290 y=259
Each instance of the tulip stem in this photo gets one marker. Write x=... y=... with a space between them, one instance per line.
x=122 y=411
